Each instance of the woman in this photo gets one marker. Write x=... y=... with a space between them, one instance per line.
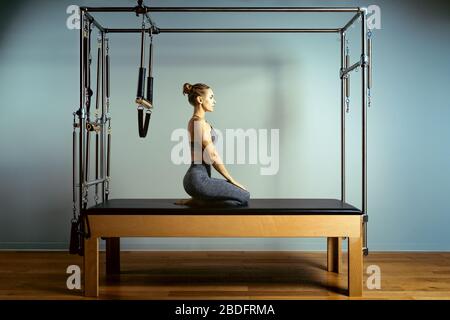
x=204 y=190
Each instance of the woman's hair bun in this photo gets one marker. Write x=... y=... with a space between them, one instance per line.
x=194 y=91
x=187 y=88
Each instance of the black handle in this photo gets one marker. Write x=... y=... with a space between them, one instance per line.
x=86 y=62
x=143 y=123
x=150 y=89
x=141 y=83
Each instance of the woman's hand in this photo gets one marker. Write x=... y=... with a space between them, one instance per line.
x=237 y=184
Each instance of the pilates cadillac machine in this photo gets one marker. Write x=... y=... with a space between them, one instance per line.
x=111 y=219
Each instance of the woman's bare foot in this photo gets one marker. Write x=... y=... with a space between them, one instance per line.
x=204 y=203
x=184 y=202
x=190 y=202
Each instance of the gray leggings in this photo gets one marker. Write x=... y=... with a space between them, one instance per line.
x=199 y=185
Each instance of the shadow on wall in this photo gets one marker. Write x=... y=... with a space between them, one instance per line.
x=279 y=113
x=8 y=15
x=428 y=12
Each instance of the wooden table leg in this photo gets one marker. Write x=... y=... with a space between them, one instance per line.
x=334 y=255
x=355 y=267
x=112 y=256
x=91 y=263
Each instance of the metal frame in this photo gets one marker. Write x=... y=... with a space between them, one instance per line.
x=88 y=20
x=146 y=9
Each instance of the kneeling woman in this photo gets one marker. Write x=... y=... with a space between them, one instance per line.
x=198 y=182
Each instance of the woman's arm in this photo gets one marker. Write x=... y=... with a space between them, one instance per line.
x=216 y=162
x=212 y=156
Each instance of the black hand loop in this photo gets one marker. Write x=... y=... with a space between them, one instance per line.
x=143 y=124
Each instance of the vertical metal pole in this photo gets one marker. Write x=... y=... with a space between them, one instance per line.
x=364 y=124
x=108 y=161
x=108 y=145
x=88 y=108
x=82 y=114
x=347 y=77
x=96 y=165
x=369 y=71
x=74 y=164
x=103 y=132
x=343 y=90
x=97 y=97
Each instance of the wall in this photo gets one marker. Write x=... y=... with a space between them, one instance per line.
x=266 y=81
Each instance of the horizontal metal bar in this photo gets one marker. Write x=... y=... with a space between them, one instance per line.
x=350 y=69
x=249 y=30
x=92 y=183
x=224 y=9
x=92 y=20
x=108 y=9
x=157 y=31
x=349 y=24
x=253 y=9
x=121 y=30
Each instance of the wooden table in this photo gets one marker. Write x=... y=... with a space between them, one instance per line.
x=263 y=218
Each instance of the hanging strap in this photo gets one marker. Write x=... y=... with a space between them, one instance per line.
x=150 y=70
x=143 y=124
x=143 y=121
x=147 y=102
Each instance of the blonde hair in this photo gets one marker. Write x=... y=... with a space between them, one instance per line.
x=194 y=91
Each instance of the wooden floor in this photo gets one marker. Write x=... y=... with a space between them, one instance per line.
x=225 y=275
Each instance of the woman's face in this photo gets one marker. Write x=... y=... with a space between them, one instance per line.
x=208 y=101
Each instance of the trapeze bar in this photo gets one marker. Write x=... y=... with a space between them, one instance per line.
x=222 y=9
x=92 y=20
x=157 y=30
x=350 y=23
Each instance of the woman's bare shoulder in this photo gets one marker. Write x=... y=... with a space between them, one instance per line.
x=201 y=122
